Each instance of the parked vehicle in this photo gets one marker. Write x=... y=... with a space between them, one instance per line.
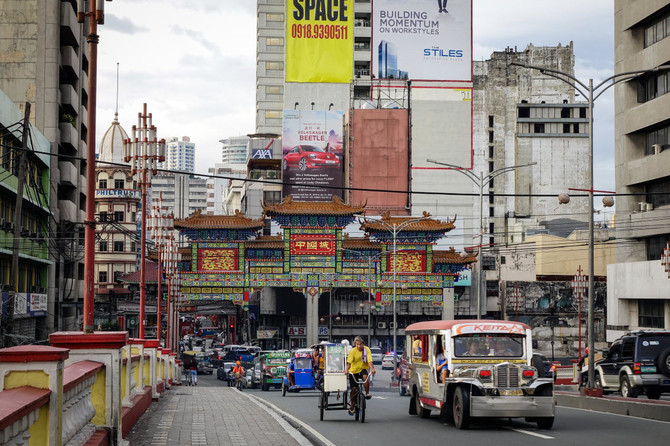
x=490 y=372
x=388 y=362
x=273 y=369
x=377 y=355
x=637 y=363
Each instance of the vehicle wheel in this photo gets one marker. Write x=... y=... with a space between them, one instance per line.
x=664 y=362
x=302 y=165
x=461 y=408
x=627 y=390
x=283 y=389
x=412 y=405
x=653 y=393
x=420 y=410
x=361 y=405
x=545 y=422
x=322 y=405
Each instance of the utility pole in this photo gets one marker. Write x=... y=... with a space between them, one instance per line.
x=20 y=159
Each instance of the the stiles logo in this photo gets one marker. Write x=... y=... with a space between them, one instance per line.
x=488 y=328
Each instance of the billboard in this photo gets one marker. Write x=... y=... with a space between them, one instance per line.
x=313 y=154
x=319 y=41
x=422 y=39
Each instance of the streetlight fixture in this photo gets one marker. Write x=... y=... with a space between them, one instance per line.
x=591 y=93
x=394 y=228
x=480 y=181
x=143 y=151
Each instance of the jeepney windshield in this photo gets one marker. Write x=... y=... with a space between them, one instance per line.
x=488 y=345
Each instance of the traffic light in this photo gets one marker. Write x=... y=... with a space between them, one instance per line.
x=232 y=329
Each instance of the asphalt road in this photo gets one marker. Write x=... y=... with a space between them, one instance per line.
x=388 y=423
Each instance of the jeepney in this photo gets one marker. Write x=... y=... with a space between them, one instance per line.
x=273 y=369
x=491 y=372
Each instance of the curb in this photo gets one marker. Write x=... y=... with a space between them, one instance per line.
x=651 y=410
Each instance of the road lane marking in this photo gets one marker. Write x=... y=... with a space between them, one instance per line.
x=534 y=434
x=287 y=427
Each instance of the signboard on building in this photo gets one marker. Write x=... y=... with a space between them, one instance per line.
x=117 y=193
x=409 y=261
x=300 y=330
x=313 y=154
x=319 y=41
x=313 y=244
x=38 y=304
x=417 y=39
x=218 y=259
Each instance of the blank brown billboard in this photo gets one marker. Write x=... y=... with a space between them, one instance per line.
x=379 y=157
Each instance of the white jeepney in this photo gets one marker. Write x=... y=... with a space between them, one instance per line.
x=490 y=372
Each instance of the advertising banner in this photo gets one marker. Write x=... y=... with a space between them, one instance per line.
x=313 y=154
x=422 y=39
x=319 y=41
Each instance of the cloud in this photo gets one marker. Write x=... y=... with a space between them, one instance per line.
x=122 y=25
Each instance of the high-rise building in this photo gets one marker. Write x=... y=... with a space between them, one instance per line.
x=220 y=200
x=48 y=67
x=234 y=150
x=182 y=193
x=179 y=154
x=638 y=295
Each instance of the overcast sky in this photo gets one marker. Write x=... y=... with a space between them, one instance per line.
x=193 y=63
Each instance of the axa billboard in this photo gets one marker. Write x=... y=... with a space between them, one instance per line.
x=422 y=39
x=313 y=154
x=319 y=40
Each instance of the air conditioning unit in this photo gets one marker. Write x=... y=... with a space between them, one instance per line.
x=644 y=206
x=657 y=148
x=650 y=207
x=381 y=325
x=391 y=325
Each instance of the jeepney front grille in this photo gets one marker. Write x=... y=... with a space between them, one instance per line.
x=507 y=376
x=281 y=371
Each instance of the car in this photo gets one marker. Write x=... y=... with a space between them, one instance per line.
x=545 y=368
x=203 y=364
x=223 y=370
x=306 y=157
x=377 y=355
x=249 y=379
x=637 y=363
x=388 y=362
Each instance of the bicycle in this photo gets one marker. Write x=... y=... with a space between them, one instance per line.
x=359 y=399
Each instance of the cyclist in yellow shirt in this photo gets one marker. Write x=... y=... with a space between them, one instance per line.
x=359 y=362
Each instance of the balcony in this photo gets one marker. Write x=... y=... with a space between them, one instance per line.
x=69 y=99
x=68 y=173
x=68 y=210
x=69 y=64
x=69 y=138
x=69 y=27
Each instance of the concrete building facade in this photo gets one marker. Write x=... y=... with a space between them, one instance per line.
x=642 y=168
x=45 y=62
x=179 y=154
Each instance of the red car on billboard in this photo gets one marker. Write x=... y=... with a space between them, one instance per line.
x=306 y=157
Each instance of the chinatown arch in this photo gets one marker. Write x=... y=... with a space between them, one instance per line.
x=230 y=260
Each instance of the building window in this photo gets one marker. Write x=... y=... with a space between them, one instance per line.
x=275 y=89
x=103 y=216
x=524 y=112
x=118 y=246
x=118 y=184
x=490 y=120
x=273 y=114
x=102 y=246
x=566 y=128
x=118 y=215
x=491 y=198
x=117 y=276
x=490 y=136
x=488 y=263
x=565 y=112
x=102 y=184
x=657 y=30
x=102 y=276
x=651 y=313
x=575 y=128
x=133 y=247
x=490 y=151
x=658 y=193
x=274 y=41
x=491 y=165
x=272 y=196
x=274 y=65
x=274 y=17
x=492 y=229
x=538 y=128
x=491 y=214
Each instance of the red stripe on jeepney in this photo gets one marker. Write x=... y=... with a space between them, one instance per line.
x=431 y=402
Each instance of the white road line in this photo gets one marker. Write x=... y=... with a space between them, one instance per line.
x=534 y=434
x=379 y=397
x=287 y=427
x=615 y=414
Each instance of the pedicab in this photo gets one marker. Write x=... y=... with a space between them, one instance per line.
x=334 y=395
x=301 y=364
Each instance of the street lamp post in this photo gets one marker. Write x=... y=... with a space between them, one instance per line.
x=591 y=93
x=369 y=260
x=480 y=181
x=395 y=228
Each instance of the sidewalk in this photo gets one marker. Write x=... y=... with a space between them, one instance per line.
x=211 y=416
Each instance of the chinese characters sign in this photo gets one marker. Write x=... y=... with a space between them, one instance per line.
x=316 y=244
x=217 y=260
x=408 y=262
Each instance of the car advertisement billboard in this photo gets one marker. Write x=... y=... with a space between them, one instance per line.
x=313 y=154
x=422 y=39
x=319 y=41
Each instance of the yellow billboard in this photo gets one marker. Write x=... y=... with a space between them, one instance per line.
x=319 y=41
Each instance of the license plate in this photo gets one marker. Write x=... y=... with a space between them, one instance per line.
x=330 y=162
x=648 y=369
x=511 y=392
x=666 y=381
